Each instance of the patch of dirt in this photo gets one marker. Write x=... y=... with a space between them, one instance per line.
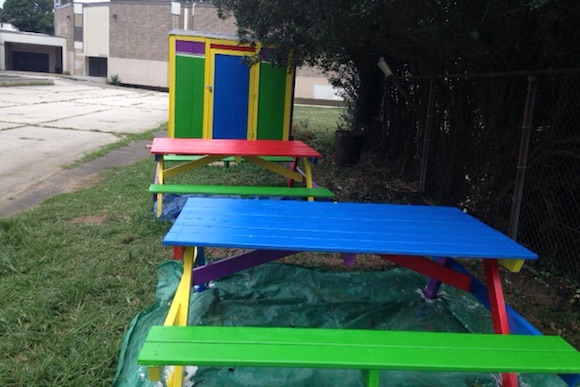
x=550 y=303
x=90 y=219
x=84 y=182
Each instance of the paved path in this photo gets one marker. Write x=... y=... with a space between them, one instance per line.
x=45 y=128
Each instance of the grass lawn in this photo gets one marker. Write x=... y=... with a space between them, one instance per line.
x=77 y=269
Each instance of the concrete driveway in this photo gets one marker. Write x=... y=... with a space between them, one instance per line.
x=47 y=127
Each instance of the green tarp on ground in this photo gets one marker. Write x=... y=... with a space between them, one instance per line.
x=282 y=295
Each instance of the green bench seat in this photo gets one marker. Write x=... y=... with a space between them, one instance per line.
x=367 y=350
x=241 y=190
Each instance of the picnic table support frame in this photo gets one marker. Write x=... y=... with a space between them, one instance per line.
x=177 y=315
x=198 y=153
x=276 y=168
x=228 y=266
x=508 y=357
x=432 y=269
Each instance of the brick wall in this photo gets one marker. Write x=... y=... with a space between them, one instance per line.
x=140 y=30
x=63 y=24
x=205 y=19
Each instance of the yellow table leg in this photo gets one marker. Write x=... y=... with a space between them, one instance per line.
x=179 y=310
x=308 y=173
x=160 y=178
x=276 y=168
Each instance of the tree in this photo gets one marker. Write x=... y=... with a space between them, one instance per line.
x=29 y=15
x=416 y=37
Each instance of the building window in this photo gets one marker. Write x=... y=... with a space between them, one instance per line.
x=97 y=67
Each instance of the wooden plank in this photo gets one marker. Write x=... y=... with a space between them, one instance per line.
x=218 y=147
x=340 y=227
x=359 y=349
x=241 y=190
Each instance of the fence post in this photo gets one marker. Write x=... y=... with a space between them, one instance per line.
x=427 y=139
x=522 y=157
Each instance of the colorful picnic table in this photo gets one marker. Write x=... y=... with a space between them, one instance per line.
x=260 y=152
x=405 y=234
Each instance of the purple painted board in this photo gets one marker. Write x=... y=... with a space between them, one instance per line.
x=357 y=228
x=187 y=47
x=228 y=266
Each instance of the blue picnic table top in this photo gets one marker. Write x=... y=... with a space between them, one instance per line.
x=339 y=227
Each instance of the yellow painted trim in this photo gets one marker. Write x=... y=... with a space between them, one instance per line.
x=171 y=83
x=208 y=91
x=229 y=42
x=252 y=129
x=289 y=96
x=274 y=167
x=513 y=265
x=209 y=81
x=308 y=173
x=172 y=76
x=190 y=38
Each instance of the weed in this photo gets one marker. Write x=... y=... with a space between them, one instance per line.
x=114 y=80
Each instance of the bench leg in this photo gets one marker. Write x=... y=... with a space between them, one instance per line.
x=371 y=378
x=308 y=172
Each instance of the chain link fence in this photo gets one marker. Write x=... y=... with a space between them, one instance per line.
x=503 y=147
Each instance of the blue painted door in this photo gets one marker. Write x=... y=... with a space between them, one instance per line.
x=231 y=96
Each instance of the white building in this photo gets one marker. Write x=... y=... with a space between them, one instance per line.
x=30 y=51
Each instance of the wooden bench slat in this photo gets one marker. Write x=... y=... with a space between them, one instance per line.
x=359 y=349
x=241 y=190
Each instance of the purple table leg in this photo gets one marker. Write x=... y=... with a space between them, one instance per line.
x=348 y=259
x=433 y=286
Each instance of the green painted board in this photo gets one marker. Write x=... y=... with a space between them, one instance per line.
x=189 y=86
x=359 y=349
x=271 y=102
x=241 y=190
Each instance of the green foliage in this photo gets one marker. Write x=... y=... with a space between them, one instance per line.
x=29 y=15
x=114 y=80
x=415 y=37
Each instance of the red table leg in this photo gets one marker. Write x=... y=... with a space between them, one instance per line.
x=292 y=167
x=178 y=252
x=498 y=310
